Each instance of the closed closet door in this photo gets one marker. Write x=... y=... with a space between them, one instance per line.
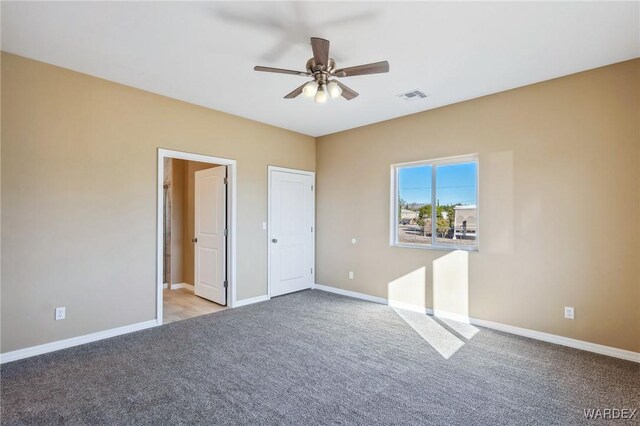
x=291 y=230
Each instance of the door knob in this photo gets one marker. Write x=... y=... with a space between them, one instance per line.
x=274 y=240
x=194 y=240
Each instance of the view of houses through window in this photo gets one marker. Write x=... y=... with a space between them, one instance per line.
x=450 y=186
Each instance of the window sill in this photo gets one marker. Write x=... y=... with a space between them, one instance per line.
x=435 y=247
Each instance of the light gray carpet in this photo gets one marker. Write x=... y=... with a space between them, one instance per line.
x=314 y=358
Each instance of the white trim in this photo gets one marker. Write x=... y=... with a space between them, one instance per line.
x=560 y=340
x=313 y=221
x=232 y=218
x=74 y=341
x=410 y=307
x=395 y=214
x=450 y=315
x=165 y=285
x=434 y=206
x=532 y=334
x=428 y=311
x=294 y=171
x=440 y=247
x=182 y=285
x=348 y=293
x=440 y=161
x=245 y=302
x=546 y=337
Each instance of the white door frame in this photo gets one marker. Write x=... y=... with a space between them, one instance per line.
x=313 y=221
x=231 y=220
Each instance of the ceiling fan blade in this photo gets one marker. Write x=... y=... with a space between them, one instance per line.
x=347 y=92
x=281 y=71
x=320 y=48
x=296 y=92
x=374 y=68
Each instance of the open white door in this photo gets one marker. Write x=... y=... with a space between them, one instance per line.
x=210 y=238
x=291 y=230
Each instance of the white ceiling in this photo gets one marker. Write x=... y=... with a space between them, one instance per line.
x=204 y=52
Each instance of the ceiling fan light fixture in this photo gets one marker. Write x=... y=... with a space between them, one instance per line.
x=334 y=89
x=321 y=95
x=310 y=89
x=322 y=68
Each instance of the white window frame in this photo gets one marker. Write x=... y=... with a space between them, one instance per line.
x=393 y=236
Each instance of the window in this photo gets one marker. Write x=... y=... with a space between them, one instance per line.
x=451 y=185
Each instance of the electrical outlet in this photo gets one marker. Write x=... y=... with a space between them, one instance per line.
x=350 y=275
x=60 y=313
x=568 y=312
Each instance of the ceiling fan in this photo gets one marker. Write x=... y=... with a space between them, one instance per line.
x=323 y=70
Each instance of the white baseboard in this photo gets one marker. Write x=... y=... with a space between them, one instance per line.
x=537 y=335
x=88 y=338
x=251 y=301
x=74 y=341
x=410 y=307
x=450 y=315
x=560 y=340
x=182 y=285
x=165 y=285
x=350 y=293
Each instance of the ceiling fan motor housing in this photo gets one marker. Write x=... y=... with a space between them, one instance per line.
x=321 y=73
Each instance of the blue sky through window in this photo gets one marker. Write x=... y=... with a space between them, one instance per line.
x=455 y=184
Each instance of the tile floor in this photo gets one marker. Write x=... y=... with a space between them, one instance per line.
x=181 y=304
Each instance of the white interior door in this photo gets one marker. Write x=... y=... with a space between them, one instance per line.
x=291 y=231
x=210 y=238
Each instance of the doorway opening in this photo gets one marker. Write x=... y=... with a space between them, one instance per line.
x=196 y=238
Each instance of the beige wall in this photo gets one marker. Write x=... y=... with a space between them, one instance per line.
x=79 y=196
x=559 y=208
x=189 y=219
x=558 y=160
x=178 y=218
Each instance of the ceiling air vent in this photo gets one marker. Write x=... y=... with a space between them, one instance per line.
x=412 y=95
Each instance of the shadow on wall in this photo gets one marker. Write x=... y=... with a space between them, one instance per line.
x=447 y=327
